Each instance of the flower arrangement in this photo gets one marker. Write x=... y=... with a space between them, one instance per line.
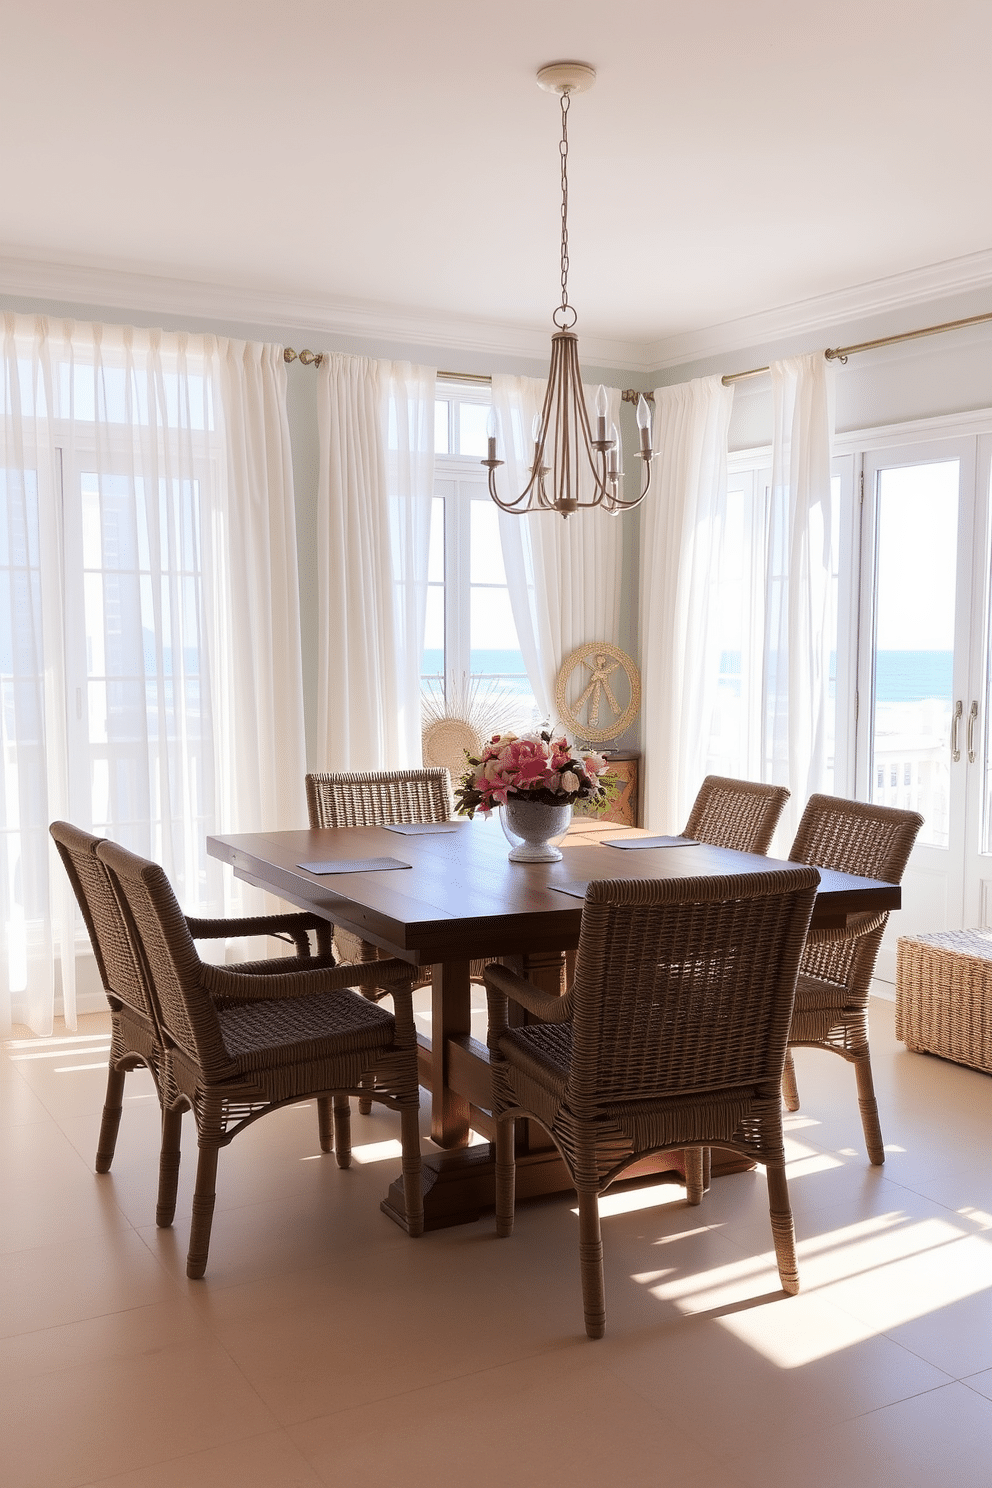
x=535 y=767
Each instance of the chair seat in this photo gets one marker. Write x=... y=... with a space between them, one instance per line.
x=542 y=1050
x=286 y=1030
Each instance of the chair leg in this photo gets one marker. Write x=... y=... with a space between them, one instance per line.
x=694 y=1180
x=204 y=1198
x=790 y=1090
x=365 y=1101
x=168 y=1167
x=342 y=1130
x=869 y=1110
x=413 y=1188
x=325 y=1123
x=707 y=1167
x=109 y=1125
x=506 y=1176
x=591 y=1264
x=783 y=1230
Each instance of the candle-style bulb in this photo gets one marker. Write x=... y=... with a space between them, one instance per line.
x=535 y=428
x=602 y=406
x=644 y=424
x=492 y=429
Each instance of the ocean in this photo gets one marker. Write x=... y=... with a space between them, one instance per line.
x=900 y=676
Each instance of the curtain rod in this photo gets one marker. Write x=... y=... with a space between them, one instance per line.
x=631 y=395
x=841 y=353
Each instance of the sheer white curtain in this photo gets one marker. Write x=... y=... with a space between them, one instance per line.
x=149 y=619
x=563 y=575
x=800 y=619
x=376 y=424
x=681 y=533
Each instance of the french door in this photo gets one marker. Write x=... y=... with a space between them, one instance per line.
x=923 y=673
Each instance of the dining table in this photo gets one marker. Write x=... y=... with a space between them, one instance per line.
x=445 y=894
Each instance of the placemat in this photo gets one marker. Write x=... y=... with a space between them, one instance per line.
x=633 y=844
x=577 y=890
x=354 y=865
x=422 y=829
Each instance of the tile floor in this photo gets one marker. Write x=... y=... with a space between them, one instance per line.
x=326 y=1348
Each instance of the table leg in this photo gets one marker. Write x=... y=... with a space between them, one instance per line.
x=451 y=1016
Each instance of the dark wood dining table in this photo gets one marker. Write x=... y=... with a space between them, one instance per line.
x=459 y=899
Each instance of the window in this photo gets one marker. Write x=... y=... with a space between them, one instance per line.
x=748 y=588
x=470 y=645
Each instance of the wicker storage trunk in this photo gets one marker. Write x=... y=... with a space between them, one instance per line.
x=944 y=995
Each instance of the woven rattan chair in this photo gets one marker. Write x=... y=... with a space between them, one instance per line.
x=672 y=1035
x=376 y=798
x=831 y=1010
x=135 y=1035
x=741 y=814
x=379 y=798
x=238 y=1045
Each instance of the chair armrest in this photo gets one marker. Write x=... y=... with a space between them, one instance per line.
x=296 y=925
x=226 y=985
x=858 y=925
x=504 y=985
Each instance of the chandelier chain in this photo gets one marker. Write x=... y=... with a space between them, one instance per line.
x=565 y=309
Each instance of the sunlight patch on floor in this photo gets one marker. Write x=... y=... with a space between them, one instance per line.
x=912 y=1268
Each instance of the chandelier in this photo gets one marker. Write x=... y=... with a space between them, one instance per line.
x=562 y=431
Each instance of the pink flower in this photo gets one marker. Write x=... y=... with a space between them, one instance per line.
x=594 y=763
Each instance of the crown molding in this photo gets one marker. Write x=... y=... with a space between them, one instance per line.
x=806 y=317
x=129 y=291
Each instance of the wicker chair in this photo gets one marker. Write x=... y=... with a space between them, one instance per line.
x=741 y=814
x=135 y=1035
x=672 y=1035
x=379 y=798
x=238 y=1045
x=831 y=1010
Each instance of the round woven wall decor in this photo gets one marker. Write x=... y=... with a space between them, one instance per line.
x=446 y=742
x=590 y=692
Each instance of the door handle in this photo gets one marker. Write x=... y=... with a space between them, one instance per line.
x=955 y=720
x=972 y=720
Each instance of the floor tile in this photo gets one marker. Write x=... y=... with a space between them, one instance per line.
x=940 y=1438
x=325 y=1347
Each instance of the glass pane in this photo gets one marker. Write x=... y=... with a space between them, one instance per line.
x=472 y=419
x=433 y=659
x=917 y=515
x=441 y=445
x=435 y=557
x=487 y=554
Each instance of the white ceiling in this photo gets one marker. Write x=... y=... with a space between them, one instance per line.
x=397 y=156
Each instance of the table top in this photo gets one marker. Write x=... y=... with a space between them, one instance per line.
x=462 y=898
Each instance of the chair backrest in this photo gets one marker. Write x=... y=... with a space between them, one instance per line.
x=741 y=814
x=173 y=968
x=685 y=986
x=379 y=798
x=116 y=957
x=853 y=837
